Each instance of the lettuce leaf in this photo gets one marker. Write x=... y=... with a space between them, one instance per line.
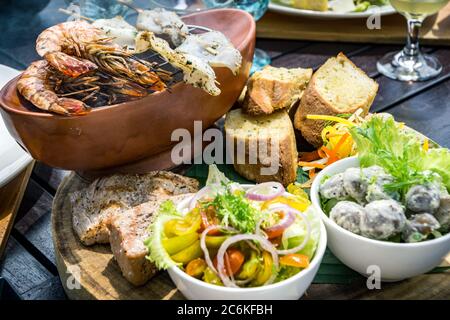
x=438 y=160
x=381 y=142
x=295 y=234
x=157 y=254
x=215 y=176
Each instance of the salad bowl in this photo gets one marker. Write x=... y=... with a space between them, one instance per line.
x=290 y=289
x=134 y=136
x=394 y=261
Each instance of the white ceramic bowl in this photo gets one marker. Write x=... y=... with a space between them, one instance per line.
x=396 y=261
x=290 y=289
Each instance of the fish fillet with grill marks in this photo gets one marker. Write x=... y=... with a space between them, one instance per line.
x=127 y=234
x=93 y=206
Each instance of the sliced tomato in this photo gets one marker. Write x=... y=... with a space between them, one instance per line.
x=276 y=241
x=233 y=260
x=196 y=268
x=295 y=260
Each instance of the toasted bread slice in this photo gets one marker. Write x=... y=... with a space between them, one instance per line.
x=272 y=131
x=338 y=87
x=272 y=89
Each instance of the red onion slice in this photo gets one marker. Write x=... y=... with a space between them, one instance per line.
x=203 y=243
x=305 y=240
x=264 y=243
x=265 y=191
x=287 y=220
x=295 y=212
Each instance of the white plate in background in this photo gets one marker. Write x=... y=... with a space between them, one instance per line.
x=13 y=159
x=277 y=7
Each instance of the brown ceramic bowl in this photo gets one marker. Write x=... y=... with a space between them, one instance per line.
x=132 y=136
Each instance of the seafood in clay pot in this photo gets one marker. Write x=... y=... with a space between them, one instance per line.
x=127 y=133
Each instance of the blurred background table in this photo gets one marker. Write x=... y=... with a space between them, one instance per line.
x=28 y=265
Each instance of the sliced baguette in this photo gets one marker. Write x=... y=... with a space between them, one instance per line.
x=273 y=89
x=337 y=87
x=273 y=130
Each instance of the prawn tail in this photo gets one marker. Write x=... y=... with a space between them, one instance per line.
x=69 y=107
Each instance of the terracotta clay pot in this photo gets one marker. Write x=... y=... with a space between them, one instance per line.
x=132 y=136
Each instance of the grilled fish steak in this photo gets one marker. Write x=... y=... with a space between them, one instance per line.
x=93 y=206
x=127 y=234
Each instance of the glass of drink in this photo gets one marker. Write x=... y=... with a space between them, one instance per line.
x=190 y=6
x=411 y=64
x=100 y=9
x=256 y=8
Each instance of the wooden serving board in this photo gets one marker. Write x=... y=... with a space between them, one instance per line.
x=435 y=31
x=10 y=198
x=94 y=267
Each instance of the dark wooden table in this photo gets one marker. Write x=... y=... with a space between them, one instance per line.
x=29 y=263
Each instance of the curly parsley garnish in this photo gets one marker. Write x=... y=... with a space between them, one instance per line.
x=234 y=210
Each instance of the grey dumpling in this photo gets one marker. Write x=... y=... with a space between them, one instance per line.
x=419 y=226
x=423 y=198
x=333 y=188
x=382 y=219
x=443 y=212
x=348 y=215
x=377 y=178
x=355 y=184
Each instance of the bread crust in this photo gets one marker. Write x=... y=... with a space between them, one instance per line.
x=312 y=102
x=287 y=166
x=266 y=95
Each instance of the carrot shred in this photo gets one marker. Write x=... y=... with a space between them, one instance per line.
x=312 y=173
x=311 y=164
x=332 y=154
x=321 y=153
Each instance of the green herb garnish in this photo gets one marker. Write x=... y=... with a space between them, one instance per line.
x=234 y=210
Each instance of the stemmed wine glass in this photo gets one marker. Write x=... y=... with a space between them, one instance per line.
x=411 y=64
x=256 y=8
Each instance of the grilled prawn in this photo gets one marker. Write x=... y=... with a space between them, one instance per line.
x=76 y=47
x=35 y=86
x=63 y=44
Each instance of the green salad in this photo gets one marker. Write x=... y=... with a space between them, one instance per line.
x=236 y=235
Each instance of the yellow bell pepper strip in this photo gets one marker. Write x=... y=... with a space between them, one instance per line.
x=192 y=252
x=214 y=242
x=250 y=267
x=299 y=199
x=329 y=118
x=426 y=145
x=211 y=277
x=178 y=227
x=196 y=268
x=265 y=272
x=176 y=244
x=295 y=260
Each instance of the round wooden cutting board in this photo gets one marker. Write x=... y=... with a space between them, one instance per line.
x=91 y=272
